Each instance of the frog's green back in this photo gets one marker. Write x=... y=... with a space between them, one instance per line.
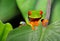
x=35 y=14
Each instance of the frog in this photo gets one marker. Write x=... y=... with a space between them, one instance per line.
x=35 y=17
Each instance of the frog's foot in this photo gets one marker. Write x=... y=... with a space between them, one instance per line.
x=33 y=28
x=44 y=22
x=32 y=25
x=36 y=23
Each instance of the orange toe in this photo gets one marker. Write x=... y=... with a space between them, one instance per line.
x=36 y=23
x=32 y=25
x=44 y=22
x=33 y=28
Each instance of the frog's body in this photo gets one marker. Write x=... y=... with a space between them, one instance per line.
x=34 y=18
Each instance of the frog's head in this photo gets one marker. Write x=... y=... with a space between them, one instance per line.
x=35 y=15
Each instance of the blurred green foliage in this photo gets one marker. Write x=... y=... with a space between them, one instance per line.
x=4 y=30
x=49 y=33
x=7 y=9
x=26 y=5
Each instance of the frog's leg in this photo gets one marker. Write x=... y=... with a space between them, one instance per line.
x=44 y=22
x=32 y=25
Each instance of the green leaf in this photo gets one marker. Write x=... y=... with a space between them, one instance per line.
x=49 y=33
x=4 y=30
x=55 y=11
x=26 y=5
x=52 y=33
x=7 y=9
x=24 y=33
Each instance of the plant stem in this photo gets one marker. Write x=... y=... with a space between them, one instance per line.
x=48 y=10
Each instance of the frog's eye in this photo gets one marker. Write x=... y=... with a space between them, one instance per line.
x=41 y=12
x=29 y=12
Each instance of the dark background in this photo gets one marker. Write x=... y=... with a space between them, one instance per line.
x=16 y=20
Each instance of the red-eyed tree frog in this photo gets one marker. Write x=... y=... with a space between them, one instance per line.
x=35 y=17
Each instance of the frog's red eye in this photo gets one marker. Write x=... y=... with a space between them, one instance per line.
x=29 y=12
x=41 y=12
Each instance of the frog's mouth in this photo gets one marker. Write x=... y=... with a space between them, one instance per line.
x=34 y=19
